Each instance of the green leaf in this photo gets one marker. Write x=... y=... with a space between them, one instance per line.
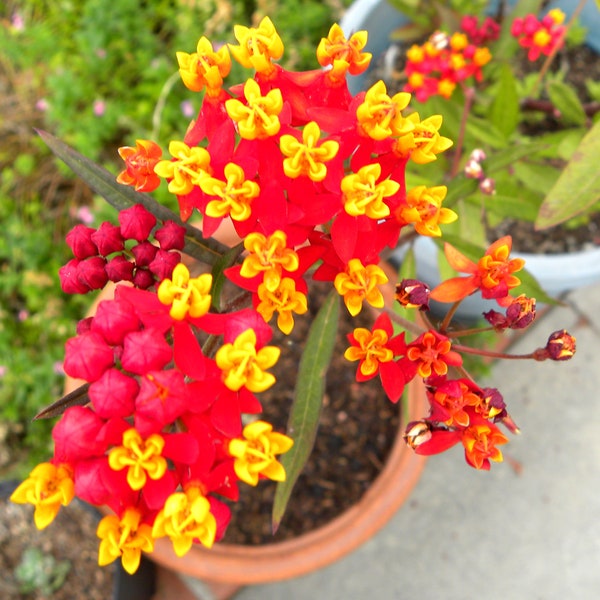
x=503 y=158
x=121 y=197
x=578 y=186
x=537 y=177
x=306 y=409
x=485 y=132
x=504 y=111
x=567 y=102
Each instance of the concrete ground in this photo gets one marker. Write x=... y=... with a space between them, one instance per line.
x=527 y=530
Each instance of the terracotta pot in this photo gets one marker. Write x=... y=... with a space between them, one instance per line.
x=236 y=564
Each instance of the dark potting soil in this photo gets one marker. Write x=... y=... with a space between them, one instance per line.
x=69 y=540
x=357 y=429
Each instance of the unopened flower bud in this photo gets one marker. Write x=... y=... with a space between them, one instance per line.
x=477 y=155
x=487 y=186
x=91 y=272
x=417 y=433
x=144 y=253
x=80 y=241
x=119 y=268
x=69 y=278
x=163 y=264
x=561 y=345
x=136 y=223
x=143 y=279
x=170 y=236
x=413 y=293
x=473 y=169
x=108 y=238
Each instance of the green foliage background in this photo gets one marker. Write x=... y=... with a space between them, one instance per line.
x=61 y=60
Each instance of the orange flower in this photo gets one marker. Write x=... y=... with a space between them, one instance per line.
x=433 y=353
x=139 y=165
x=480 y=441
x=492 y=274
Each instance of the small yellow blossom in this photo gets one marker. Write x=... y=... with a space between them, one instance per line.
x=186 y=517
x=370 y=350
x=380 y=116
x=258 y=46
x=424 y=142
x=126 y=537
x=142 y=458
x=268 y=255
x=259 y=119
x=235 y=194
x=204 y=68
x=424 y=209
x=187 y=170
x=186 y=295
x=243 y=365
x=362 y=195
x=255 y=454
x=358 y=283
x=48 y=487
x=343 y=55
x=307 y=157
x=284 y=300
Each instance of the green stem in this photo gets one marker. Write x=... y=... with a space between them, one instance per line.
x=469 y=97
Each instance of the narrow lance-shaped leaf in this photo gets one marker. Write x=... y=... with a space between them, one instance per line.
x=306 y=409
x=578 y=186
x=121 y=197
x=78 y=397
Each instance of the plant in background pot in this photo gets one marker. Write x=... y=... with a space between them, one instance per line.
x=518 y=94
x=171 y=417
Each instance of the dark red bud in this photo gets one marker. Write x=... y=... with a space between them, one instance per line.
x=108 y=238
x=80 y=241
x=119 y=268
x=136 y=223
x=92 y=272
x=171 y=236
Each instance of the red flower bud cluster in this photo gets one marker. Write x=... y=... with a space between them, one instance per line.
x=101 y=255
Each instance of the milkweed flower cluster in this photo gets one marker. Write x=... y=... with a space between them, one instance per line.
x=540 y=36
x=436 y=67
x=445 y=60
x=167 y=422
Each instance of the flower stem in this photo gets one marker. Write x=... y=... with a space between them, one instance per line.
x=491 y=353
x=405 y=323
x=469 y=97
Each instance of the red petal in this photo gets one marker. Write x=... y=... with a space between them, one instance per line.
x=392 y=380
x=187 y=352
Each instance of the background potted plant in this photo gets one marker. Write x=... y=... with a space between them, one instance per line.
x=525 y=139
x=166 y=422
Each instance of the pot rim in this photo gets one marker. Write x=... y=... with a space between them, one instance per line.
x=238 y=564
